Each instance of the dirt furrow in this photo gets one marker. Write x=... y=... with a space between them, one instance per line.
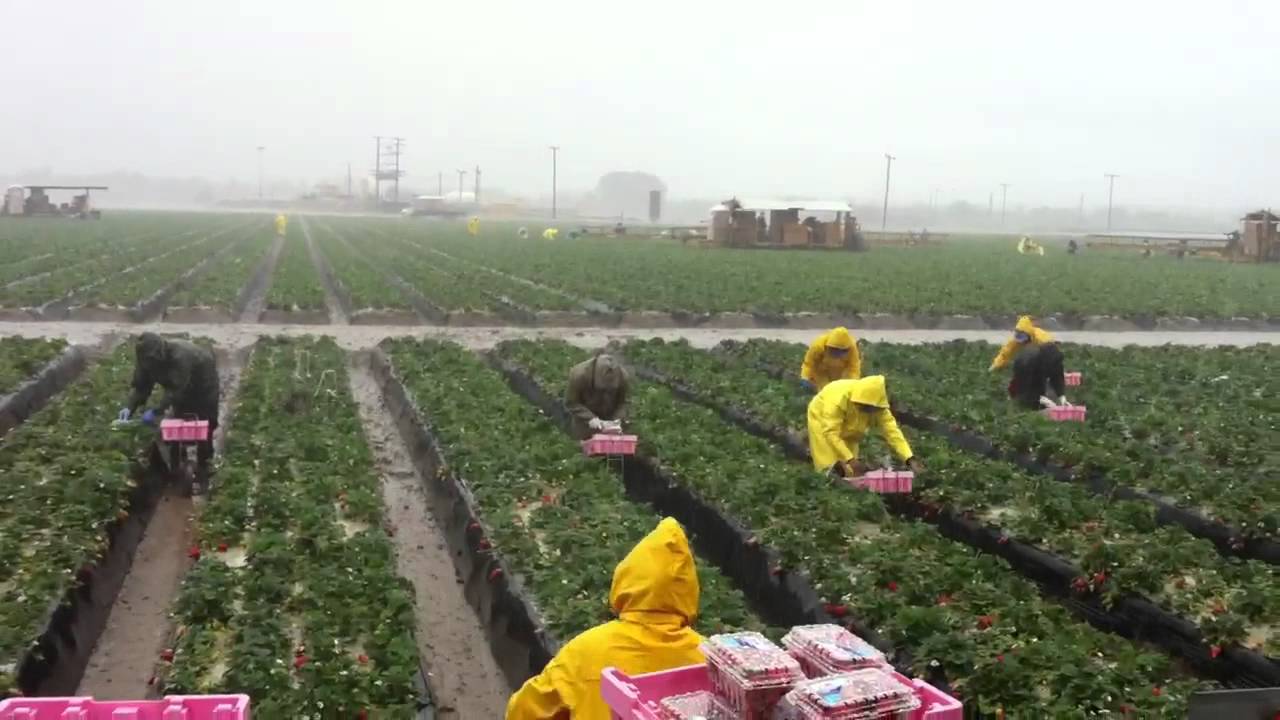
x=126 y=653
x=587 y=303
x=260 y=285
x=336 y=312
x=463 y=674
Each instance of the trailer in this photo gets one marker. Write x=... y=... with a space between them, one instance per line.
x=778 y=224
x=33 y=200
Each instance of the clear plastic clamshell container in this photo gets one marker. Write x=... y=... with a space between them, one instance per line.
x=750 y=672
x=867 y=694
x=830 y=649
x=701 y=705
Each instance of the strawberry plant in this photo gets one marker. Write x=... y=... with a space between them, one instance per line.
x=1116 y=543
x=365 y=283
x=21 y=358
x=226 y=277
x=560 y=520
x=922 y=591
x=293 y=597
x=295 y=284
x=65 y=478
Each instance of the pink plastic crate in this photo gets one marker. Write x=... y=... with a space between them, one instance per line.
x=1073 y=379
x=1070 y=413
x=636 y=697
x=610 y=444
x=172 y=707
x=174 y=430
x=885 y=481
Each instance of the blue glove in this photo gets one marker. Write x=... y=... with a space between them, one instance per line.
x=808 y=385
x=124 y=415
x=149 y=417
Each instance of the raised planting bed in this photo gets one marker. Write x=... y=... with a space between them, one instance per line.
x=955 y=611
x=227 y=284
x=76 y=500
x=293 y=596
x=362 y=288
x=32 y=370
x=296 y=294
x=536 y=528
x=1109 y=556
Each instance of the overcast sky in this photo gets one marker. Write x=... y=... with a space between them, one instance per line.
x=1181 y=99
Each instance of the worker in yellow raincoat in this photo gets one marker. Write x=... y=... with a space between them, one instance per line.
x=550 y=233
x=1038 y=376
x=839 y=418
x=1027 y=246
x=655 y=596
x=473 y=226
x=282 y=224
x=832 y=356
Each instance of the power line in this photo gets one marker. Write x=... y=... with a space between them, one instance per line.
x=1111 y=192
x=555 y=149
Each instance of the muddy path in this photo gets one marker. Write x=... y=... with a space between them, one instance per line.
x=260 y=285
x=463 y=674
x=361 y=337
x=337 y=312
x=138 y=627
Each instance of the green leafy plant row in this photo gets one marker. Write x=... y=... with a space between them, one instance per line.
x=295 y=284
x=294 y=597
x=956 y=610
x=21 y=358
x=31 y=248
x=558 y=519
x=228 y=275
x=365 y=283
x=65 y=477
x=1116 y=543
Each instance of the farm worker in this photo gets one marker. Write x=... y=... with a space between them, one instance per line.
x=523 y=233
x=831 y=356
x=473 y=226
x=1027 y=246
x=840 y=416
x=189 y=375
x=282 y=223
x=655 y=597
x=596 y=396
x=550 y=233
x=1072 y=247
x=1037 y=365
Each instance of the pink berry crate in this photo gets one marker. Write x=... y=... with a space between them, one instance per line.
x=174 y=430
x=172 y=707
x=610 y=444
x=637 y=697
x=1069 y=413
x=885 y=481
x=1073 y=379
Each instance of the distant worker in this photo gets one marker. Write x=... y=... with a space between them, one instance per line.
x=282 y=224
x=1027 y=246
x=1146 y=247
x=619 y=229
x=1038 y=376
x=1183 y=247
x=831 y=356
x=473 y=226
x=189 y=375
x=839 y=418
x=1072 y=247
x=550 y=233
x=654 y=595
x=523 y=233
x=596 y=396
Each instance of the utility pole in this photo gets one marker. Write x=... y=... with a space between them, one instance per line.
x=888 y=167
x=461 y=174
x=377 y=171
x=1004 y=201
x=555 y=149
x=991 y=203
x=1111 y=193
x=440 y=184
x=348 y=180
x=477 y=185
x=396 y=191
x=260 y=149
x=1080 y=212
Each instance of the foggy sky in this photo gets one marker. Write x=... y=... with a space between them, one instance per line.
x=1181 y=99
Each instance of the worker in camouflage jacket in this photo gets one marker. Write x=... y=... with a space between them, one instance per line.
x=596 y=396
x=189 y=375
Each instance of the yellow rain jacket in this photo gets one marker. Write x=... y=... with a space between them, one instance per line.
x=473 y=226
x=837 y=425
x=1011 y=348
x=550 y=234
x=655 y=596
x=282 y=223
x=821 y=368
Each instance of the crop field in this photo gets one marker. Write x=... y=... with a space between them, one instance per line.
x=400 y=524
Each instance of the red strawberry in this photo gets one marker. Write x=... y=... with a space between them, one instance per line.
x=1000 y=658
x=1219 y=609
x=222 y=547
x=299 y=661
x=892 y=586
x=362 y=715
x=1080 y=584
x=1180 y=583
x=776 y=570
x=494 y=574
x=362 y=659
x=944 y=600
x=484 y=544
x=1099 y=578
x=167 y=655
x=985 y=622
x=836 y=610
x=1156 y=691
x=1003 y=540
x=1215 y=651
x=194 y=552
x=547 y=499
x=473 y=525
